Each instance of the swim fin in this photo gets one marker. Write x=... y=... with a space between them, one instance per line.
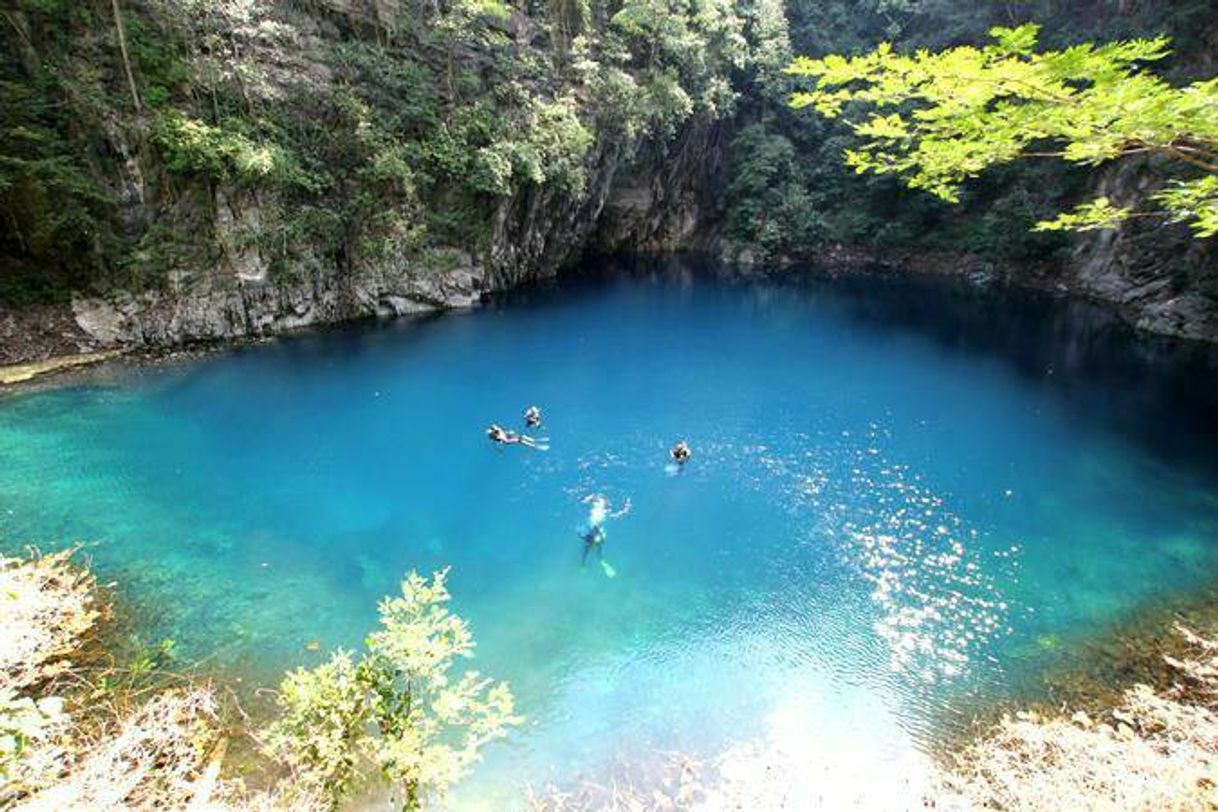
x=608 y=569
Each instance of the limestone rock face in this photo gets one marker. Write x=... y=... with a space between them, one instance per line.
x=669 y=199
x=231 y=279
x=211 y=308
x=639 y=196
x=241 y=296
x=1158 y=276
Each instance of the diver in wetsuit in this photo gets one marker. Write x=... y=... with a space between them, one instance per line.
x=594 y=539
x=599 y=510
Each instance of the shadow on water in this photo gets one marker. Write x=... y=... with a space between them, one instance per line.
x=1159 y=391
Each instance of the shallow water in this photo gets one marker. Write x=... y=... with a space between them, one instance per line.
x=904 y=496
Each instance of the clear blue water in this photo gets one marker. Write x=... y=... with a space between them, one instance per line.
x=903 y=496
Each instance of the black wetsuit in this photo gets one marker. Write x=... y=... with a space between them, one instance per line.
x=594 y=538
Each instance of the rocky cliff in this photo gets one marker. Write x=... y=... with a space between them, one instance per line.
x=206 y=171
x=1159 y=277
x=638 y=200
x=307 y=163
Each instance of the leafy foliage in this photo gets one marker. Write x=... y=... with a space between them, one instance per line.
x=403 y=128
x=56 y=213
x=397 y=709
x=770 y=39
x=772 y=204
x=551 y=148
x=1098 y=214
x=938 y=119
x=371 y=137
x=220 y=152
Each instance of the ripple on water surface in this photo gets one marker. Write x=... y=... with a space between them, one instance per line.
x=888 y=514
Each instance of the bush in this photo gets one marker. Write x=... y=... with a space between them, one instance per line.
x=770 y=203
x=223 y=152
x=396 y=713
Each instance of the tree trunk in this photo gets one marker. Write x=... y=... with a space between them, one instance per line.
x=122 y=46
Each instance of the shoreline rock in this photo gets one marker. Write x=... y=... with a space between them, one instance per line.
x=212 y=309
x=11 y=375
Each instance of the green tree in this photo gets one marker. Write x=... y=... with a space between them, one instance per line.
x=683 y=54
x=938 y=119
x=770 y=205
x=769 y=36
x=467 y=21
x=396 y=713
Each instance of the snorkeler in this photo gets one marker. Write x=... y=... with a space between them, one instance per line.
x=502 y=436
x=532 y=417
x=681 y=453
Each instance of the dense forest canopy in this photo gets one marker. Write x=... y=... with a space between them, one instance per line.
x=141 y=134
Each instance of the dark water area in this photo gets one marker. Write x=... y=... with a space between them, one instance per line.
x=1142 y=381
x=907 y=498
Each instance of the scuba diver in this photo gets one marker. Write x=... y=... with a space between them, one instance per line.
x=681 y=453
x=502 y=436
x=599 y=509
x=594 y=537
x=532 y=417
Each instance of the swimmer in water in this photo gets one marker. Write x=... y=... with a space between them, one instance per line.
x=681 y=453
x=532 y=417
x=502 y=436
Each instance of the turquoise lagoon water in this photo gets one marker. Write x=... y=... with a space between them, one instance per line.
x=903 y=497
